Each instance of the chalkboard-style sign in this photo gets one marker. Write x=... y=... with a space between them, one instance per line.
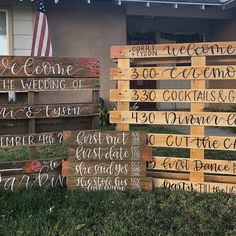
x=106 y=160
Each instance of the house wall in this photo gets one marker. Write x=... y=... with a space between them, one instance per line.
x=92 y=30
x=224 y=31
x=23 y=19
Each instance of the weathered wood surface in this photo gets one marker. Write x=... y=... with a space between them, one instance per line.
x=198 y=130
x=202 y=187
x=123 y=106
x=109 y=183
x=101 y=168
x=108 y=160
x=174 y=95
x=191 y=141
x=193 y=165
x=224 y=119
x=31 y=140
x=29 y=174
x=174 y=73
x=94 y=153
x=101 y=138
x=48 y=111
x=47 y=84
x=11 y=66
x=180 y=176
x=212 y=60
x=30 y=166
x=174 y=50
x=29 y=181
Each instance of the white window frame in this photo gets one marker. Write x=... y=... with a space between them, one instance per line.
x=7 y=29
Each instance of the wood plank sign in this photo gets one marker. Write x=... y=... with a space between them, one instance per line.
x=174 y=95
x=174 y=50
x=48 y=111
x=174 y=118
x=42 y=110
x=106 y=161
x=203 y=62
x=174 y=73
x=47 y=84
x=41 y=67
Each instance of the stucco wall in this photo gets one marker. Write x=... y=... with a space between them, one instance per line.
x=224 y=31
x=87 y=30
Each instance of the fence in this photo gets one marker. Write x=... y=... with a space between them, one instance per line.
x=197 y=63
x=41 y=112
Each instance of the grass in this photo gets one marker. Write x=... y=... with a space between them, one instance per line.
x=161 y=212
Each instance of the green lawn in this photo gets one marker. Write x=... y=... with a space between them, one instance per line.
x=161 y=212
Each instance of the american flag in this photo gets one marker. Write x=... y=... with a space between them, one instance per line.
x=41 y=45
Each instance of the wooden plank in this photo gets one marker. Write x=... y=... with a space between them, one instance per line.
x=101 y=153
x=192 y=141
x=18 y=66
x=30 y=167
x=48 y=111
x=197 y=130
x=202 y=187
x=96 y=119
x=123 y=106
x=194 y=72
x=193 y=165
x=31 y=140
x=103 y=138
x=174 y=50
x=174 y=95
x=212 y=60
x=28 y=181
x=47 y=84
x=31 y=127
x=109 y=183
x=224 y=119
x=109 y=168
x=208 y=178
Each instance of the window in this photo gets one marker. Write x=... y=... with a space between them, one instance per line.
x=4 y=34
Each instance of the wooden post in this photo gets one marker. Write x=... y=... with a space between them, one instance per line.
x=123 y=106
x=197 y=130
x=95 y=100
x=31 y=128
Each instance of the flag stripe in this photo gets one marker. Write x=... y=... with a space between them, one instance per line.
x=38 y=33
x=42 y=35
x=41 y=44
x=35 y=32
x=45 y=39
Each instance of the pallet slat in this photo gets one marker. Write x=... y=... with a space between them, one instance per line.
x=174 y=95
x=12 y=66
x=192 y=141
x=174 y=50
x=47 y=84
x=193 y=165
x=48 y=111
x=174 y=73
x=202 y=187
x=223 y=119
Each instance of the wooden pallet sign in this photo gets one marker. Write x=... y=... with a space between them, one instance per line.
x=29 y=174
x=106 y=161
x=205 y=62
x=31 y=123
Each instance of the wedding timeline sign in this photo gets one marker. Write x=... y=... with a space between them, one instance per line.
x=106 y=160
